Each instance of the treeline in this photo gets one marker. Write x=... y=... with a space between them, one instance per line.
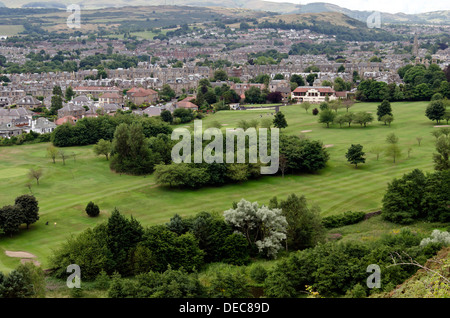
x=336 y=269
x=88 y=131
x=362 y=33
x=25 y=138
x=420 y=84
x=418 y=196
x=297 y=156
x=124 y=246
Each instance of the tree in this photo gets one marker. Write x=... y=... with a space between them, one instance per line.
x=377 y=150
x=166 y=116
x=435 y=110
x=253 y=95
x=279 y=120
x=69 y=93
x=340 y=119
x=92 y=209
x=303 y=155
x=57 y=90
x=311 y=78
x=283 y=164
x=298 y=79
x=355 y=155
x=264 y=228
x=56 y=104
x=167 y=93
x=326 y=117
x=64 y=155
x=131 y=153
x=35 y=174
x=419 y=140
x=305 y=228
x=363 y=118
x=387 y=119
x=28 y=207
x=220 y=75
x=442 y=157
x=393 y=150
x=402 y=202
x=275 y=97
x=384 y=109
x=103 y=147
x=305 y=106
x=52 y=152
x=11 y=219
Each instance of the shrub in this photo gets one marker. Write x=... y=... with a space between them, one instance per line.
x=92 y=209
x=258 y=273
x=347 y=218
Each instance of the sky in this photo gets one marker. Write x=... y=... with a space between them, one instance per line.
x=390 y=6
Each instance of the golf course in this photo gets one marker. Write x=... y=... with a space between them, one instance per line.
x=64 y=190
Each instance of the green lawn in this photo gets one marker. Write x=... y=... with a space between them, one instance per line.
x=64 y=191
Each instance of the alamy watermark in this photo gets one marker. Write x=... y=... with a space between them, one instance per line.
x=214 y=152
x=374 y=20
x=74 y=20
x=74 y=279
x=374 y=280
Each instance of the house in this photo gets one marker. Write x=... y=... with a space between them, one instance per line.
x=72 y=110
x=317 y=94
x=28 y=102
x=109 y=108
x=9 y=130
x=67 y=119
x=42 y=126
x=152 y=111
x=111 y=98
x=9 y=115
x=5 y=101
x=185 y=103
x=96 y=91
x=139 y=96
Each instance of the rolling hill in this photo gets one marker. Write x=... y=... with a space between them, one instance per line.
x=436 y=17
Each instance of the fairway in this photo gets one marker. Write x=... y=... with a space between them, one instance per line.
x=65 y=190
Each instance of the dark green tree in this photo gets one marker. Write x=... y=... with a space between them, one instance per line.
x=384 y=109
x=28 y=207
x=355 y=155
x=279 y=120
x=92 y=209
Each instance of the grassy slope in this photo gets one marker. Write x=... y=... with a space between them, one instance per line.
x=65 y=190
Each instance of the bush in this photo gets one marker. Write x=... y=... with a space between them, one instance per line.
x=92 y=209
x=315 y=111
x=347 y=218
x=258 y=273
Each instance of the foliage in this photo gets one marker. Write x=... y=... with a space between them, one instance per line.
x=347 y=218
x=263 y=228
x=92 y=209
x=355 y=155
x=417 y=196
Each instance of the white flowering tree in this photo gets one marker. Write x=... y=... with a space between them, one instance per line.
x=263 y=227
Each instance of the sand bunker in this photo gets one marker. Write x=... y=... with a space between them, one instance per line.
x=305 y=131
x=441 y=126
x=19 y=254
x=328 y=146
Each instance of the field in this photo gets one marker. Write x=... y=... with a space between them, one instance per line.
x=65 y=190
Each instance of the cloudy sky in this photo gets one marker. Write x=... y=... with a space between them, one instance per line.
x=391 y=6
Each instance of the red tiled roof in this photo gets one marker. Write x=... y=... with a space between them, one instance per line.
x=186 y=105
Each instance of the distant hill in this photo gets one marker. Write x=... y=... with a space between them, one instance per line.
x=437 y=17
